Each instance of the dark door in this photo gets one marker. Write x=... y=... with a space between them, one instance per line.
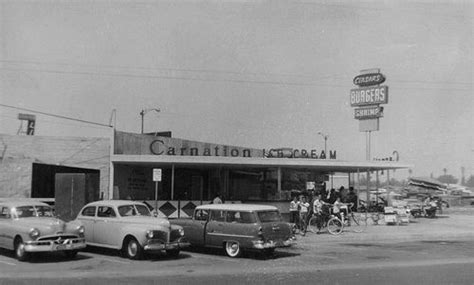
x=70 y=194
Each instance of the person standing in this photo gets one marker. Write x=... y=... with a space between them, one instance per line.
x=304 y=209
x=217 y=199
x=294 y=210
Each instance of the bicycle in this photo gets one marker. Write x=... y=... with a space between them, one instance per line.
x=357 y=222
x=325 y=219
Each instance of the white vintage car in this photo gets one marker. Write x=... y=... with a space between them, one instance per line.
x=129 y=227
x=28 y=226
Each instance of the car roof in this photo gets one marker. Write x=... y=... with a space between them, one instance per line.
x=237 y=207
x=21 y=202
x=115 y=203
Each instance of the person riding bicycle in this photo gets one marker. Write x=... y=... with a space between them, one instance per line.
x=318 y=204
x=338 y=208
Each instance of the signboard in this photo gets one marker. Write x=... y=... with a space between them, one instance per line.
x=156 y=174
x=368 y=113
x=369 y=96
x=369 y=125
x=31 y=121
x=369 y=79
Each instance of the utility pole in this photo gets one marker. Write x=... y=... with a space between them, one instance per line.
x=143 y=112
x=325 y=142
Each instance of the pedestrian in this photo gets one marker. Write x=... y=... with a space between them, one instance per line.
x=294 y=210
x=332 y=196
x=304 y=209
x=217 y=199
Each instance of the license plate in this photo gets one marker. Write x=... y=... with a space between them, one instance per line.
x=62 y=247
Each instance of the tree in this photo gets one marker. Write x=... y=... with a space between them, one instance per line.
x=448 y=179
x=470 y=181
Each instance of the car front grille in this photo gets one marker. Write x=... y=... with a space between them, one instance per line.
x=56 y=239
x=175 y=235
x=161 y=236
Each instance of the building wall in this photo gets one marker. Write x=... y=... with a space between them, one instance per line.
x=18 y=153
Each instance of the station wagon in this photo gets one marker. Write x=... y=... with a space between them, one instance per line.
x=237 y=227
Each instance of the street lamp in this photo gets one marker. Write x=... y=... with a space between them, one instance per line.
x=325 y=141
x=144 y=111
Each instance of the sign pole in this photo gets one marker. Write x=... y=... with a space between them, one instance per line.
x=157 y=179
x=156 y=196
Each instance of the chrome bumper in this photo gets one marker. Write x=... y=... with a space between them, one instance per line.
x=274 y=244
x=166 y=246
x=51 y=245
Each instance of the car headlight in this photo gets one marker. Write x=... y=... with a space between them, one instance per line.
x=34 y=233
x=181 y=232
x=149 y=234
x=81 y=230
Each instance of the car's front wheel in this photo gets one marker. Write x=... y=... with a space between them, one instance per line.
x=20 y=252
x=70 y=253
x=232 y=249
x=173 y=252
x=133 y=249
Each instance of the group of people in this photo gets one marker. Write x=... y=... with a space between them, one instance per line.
x=302 y=207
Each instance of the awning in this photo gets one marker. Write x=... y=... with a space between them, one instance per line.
x=323 y=165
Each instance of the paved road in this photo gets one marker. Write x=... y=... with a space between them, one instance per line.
x=437 y=251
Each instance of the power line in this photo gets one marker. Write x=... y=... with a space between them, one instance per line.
x=219 y=71
x=170 y=77
x=227 y=80
x=54 y=115
x=383 y=9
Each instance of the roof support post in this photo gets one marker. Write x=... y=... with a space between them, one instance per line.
x=368 y=190
x=172 y=181
x=279 y=179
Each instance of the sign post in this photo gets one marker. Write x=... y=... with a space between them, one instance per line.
x=367 y=99
x=157 y=179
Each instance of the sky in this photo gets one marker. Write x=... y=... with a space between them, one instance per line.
x=261 y=74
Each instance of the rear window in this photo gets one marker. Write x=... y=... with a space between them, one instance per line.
x=269 y=216
x=134 y=210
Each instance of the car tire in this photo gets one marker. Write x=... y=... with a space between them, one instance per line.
x=173 y=252
x=232 y=249
x=70 y=253
x=133 y=249
x=269 y=252
x=20 y=252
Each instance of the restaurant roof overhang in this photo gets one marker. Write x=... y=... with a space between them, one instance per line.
x=324 y=165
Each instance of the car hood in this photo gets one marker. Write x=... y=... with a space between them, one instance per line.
x=46 y=226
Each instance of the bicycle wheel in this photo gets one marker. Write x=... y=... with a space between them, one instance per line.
x=335 y=226
x=358 y=222
x=313 y=224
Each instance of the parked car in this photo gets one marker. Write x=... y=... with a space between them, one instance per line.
x=237 y=227
x=28 y=226
x=129 y=227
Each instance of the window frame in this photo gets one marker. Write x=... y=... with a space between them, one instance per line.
x=89 y=207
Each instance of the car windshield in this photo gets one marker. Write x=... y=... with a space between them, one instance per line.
x=133 y=210
x=269 y=216
x=34 y=211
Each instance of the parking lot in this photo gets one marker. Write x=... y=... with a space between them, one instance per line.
x=423 y=244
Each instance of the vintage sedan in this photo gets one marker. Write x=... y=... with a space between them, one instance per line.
x=130 y=227
x=237 y=227
x=28 y=226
